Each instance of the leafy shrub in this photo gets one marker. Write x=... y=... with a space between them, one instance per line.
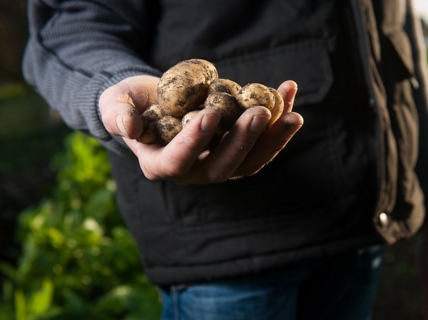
x=78 y=259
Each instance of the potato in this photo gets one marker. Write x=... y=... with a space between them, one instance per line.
x=150 y=116
x=224 y=85
x=166 y=129
x=194 y=84
x=278 y=107
x=218 y=134
x=210 y=70
x=256 y=94
x=188 y=116
x=184 y=87
x=227 y=105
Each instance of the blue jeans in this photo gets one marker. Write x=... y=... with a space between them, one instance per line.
x=342 y=287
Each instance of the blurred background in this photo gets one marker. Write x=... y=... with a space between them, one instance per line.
x=60 y=258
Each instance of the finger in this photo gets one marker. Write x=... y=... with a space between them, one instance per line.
x=177 y=158
x=276 y=136
x=119 y=115
x=121 y=105
x=122 y=119
x=141 y=91
x=288 y=90
x=270 y=144
x=223 y=161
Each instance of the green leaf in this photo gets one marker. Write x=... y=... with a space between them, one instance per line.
x=20 y=305
x=52 y=313
x=98 y=204
x=56 y=237
x=41 y=300
x=115 y=300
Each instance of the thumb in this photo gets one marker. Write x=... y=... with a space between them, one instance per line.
x=119 y=115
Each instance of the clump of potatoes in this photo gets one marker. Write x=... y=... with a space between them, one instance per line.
x=191 y=85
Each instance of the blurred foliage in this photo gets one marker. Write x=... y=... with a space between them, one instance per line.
x=78 y=258
x=30 y=134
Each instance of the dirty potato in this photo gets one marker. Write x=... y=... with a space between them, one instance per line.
x=209 y=68
x=188 y=116
x=224 y=85
x=227 y=105
x=278 y=107
x=150 y=116
x=184 y=87
x=166 y=129
x=194 y=84
x=256 y=94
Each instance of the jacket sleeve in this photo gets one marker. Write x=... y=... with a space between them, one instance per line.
x=77 y=49
x=420 y=92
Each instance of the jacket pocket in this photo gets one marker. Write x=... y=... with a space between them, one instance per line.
x=307 y=63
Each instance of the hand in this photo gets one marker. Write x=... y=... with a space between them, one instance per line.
x=246 y=149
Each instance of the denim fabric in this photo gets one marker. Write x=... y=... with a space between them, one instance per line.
x=341 y=287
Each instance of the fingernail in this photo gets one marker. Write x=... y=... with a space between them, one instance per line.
x=258 y=124
x=120 y=126
x=210 y=122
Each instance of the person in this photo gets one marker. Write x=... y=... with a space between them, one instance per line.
x=285 y=222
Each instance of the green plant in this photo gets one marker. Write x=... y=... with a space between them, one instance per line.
x=78 y=260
